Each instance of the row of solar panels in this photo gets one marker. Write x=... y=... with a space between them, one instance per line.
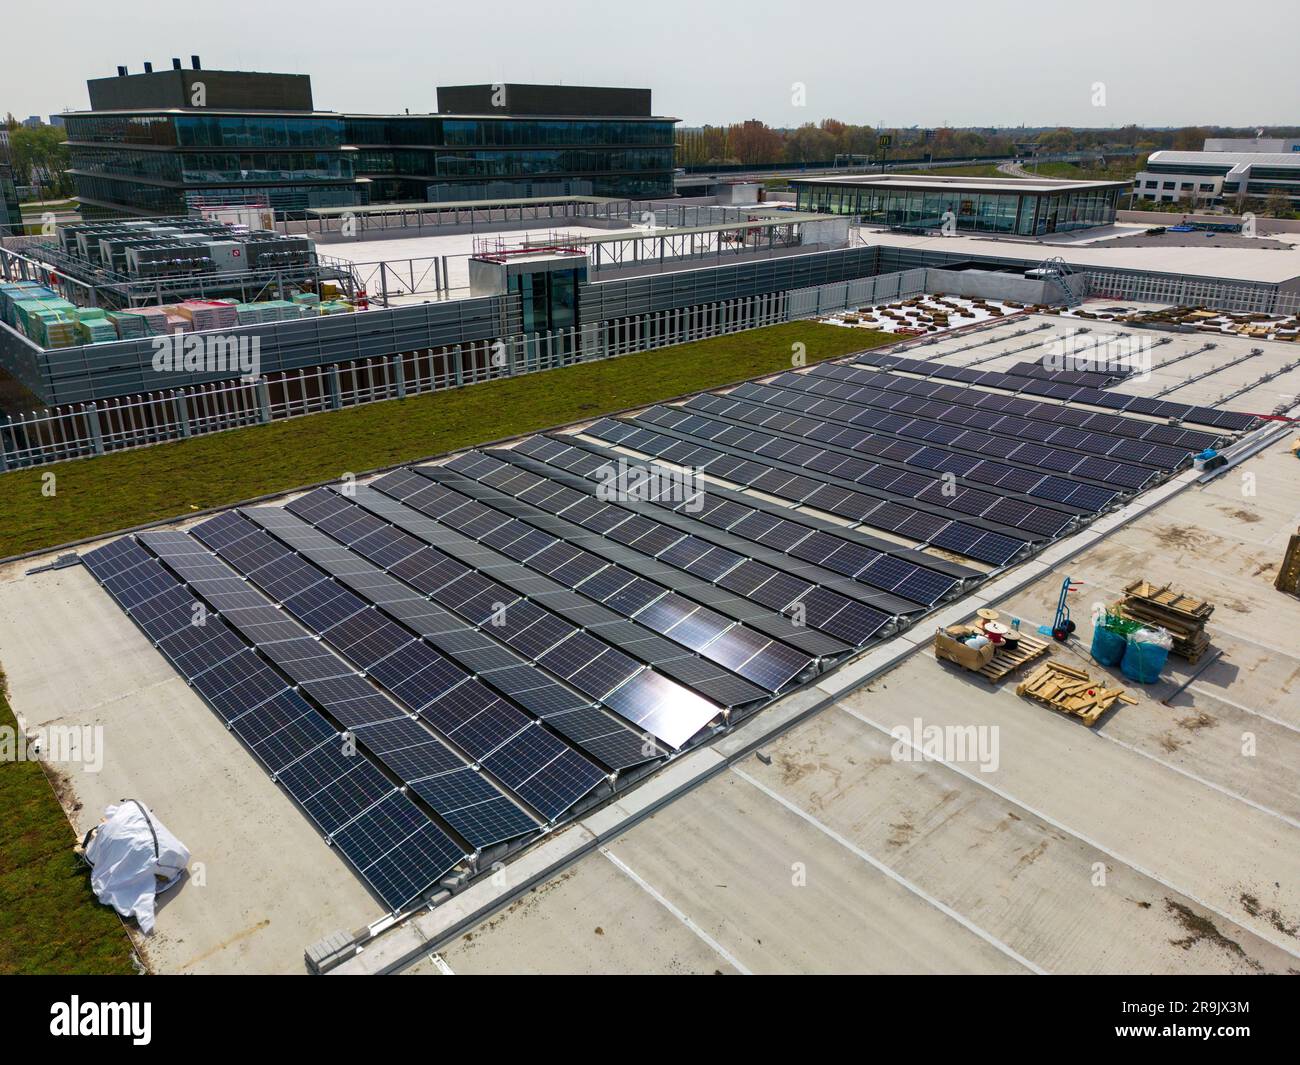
x=795 y=543
x=703 y=562
x=910 y=446
x=1002 y=502
x=1091 y=432
x=1083 y=378
x=384 y=835
x=1231 y=421
x=653 y=435
x=899 y=433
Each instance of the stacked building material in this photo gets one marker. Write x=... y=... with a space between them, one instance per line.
x=129 y=325
x=155 y=319
x=1182 y=616
x=252 y=314
x=209 y=314
x=93 y=326
x=14 y=291
x=49 y=322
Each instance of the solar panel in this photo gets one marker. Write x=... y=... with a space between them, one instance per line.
x=543 y=770
x=397 y=850
x=473 y=807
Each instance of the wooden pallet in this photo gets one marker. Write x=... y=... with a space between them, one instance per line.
x=1006 y=661
x=1166 y=601
x=1288 y=577
x=1181 y=615
x=1071 y=691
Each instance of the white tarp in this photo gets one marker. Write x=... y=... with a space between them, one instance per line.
x=132 y=858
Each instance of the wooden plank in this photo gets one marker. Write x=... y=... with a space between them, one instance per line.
x=1288 y=575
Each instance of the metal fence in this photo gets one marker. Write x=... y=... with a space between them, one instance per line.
x=861 y=292
x=78 y=430
x=1246 y=296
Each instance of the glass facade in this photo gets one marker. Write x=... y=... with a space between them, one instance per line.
x=994 y=211
x=157 y=163
x=548 y=298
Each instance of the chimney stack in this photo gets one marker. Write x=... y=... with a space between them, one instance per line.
x=121 y=72
x=176 y=63
x=194 y=62
x=148 y=67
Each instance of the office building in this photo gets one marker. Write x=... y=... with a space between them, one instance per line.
x=1028 y=207
x=164 y=142
x=1218 y=179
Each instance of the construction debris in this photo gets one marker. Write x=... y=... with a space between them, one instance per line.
x=1181 y=615
x=1071 y=691
x=991 y=661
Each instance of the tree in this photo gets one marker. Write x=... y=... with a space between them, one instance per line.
x=755 y=142
x=810 y=144
x=1056 y=141
x=40 y=157
x=1277 y=205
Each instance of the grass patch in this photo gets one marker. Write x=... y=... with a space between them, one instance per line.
x=50 y=921
x=99 y=495
x=1119 y=170
x=981 y=170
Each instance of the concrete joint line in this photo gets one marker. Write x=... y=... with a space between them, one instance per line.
x=695 y=929
x=1006 y=796
x=897 y=878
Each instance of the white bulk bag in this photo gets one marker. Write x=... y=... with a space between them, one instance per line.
x=132 y=858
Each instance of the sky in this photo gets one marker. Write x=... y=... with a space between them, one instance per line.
x=975 y=63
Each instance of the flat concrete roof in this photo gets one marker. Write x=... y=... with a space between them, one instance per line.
x=1147 y=844
x=831 y=852
x=1231 y=264
x=963 y=184
x=457 y=205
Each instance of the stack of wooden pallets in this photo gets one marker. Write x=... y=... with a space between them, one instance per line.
x=1181 y=615
x=1071 y=691
x=1288 y=575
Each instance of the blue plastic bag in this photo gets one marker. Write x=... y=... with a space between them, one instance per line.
x=1107 y=647
x=1143 y=661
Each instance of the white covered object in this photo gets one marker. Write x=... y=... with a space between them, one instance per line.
x=133 y=858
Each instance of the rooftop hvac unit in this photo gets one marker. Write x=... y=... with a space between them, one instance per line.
x=279 y=253
x=228 y=256
x=166 y=260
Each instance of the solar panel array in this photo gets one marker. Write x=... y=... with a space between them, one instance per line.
x=723 y=531
x=874 y=422
x=1084 y=378
x=457 y=656
x=395 y=848
x=688 y=627
x=665 y=432
x=1128 y=441
x=1231 y=421
x=744 y=587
